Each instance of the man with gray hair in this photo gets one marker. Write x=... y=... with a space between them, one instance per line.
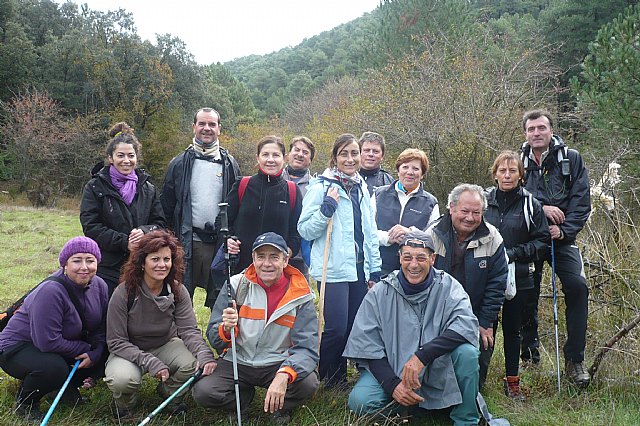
x=472 y=251
x=371 y=156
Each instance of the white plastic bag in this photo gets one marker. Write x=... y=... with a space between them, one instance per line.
x=510 y=291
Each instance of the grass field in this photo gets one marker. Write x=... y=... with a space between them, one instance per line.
x=31 y=240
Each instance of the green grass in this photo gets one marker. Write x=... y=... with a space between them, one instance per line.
x=31 y=240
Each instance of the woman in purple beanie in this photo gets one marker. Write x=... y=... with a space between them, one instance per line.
x=45 y=337
x=119 y=204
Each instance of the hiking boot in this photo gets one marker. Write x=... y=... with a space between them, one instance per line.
x=72 y=398
x=281 y=417
x=30 y=412
x=512 y=388
x=232 y=417
x=174 y=407
x=577 y=374
x=125 y=415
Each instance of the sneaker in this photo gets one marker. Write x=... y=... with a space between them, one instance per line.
x=281 y=417
x=512 y=388
x=577 y=374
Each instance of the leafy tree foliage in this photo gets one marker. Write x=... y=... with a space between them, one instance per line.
x=608 y=90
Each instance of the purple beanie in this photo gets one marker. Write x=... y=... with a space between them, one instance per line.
x=79 y=245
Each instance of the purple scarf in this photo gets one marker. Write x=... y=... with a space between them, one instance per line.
x=125 y=184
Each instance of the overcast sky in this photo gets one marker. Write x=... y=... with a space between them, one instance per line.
x=219 y=31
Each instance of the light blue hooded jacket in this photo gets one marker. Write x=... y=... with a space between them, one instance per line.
x=312 y=226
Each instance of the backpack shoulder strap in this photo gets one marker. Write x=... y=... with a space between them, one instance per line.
x=242 y=187
x=292 y=194
x=131 y=297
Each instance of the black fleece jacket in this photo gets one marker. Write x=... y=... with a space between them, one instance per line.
x=265 y=207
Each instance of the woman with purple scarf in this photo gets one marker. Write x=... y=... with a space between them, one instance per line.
x=119 y=204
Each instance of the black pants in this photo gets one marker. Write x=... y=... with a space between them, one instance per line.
x=218 y=391
x=570 y=271
x=43 y=372
x=485 y=356
x=511 y=323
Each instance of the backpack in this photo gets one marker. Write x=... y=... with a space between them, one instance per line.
x=242 y=187
x=15 y=306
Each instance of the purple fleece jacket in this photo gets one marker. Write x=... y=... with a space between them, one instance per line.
x=50 y=321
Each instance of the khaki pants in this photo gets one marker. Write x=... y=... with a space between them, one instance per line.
x=124 y=377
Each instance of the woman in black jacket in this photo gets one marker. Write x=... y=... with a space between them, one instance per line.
x=524 y=229
x=119 y=204
x=264 y=202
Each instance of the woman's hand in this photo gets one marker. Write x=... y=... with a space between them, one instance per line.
x=333 y=193
x=163 y=374
x=86 y=361
x=397 y=233
x=134 y=237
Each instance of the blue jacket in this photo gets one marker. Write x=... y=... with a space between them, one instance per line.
x=341 y=265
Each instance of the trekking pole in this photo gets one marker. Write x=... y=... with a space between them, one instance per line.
x=224 y=230
x=555 y=309
x=323 y=281
x=185 y=385
x=60 y=392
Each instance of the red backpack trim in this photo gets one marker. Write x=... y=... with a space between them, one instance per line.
x=242 y=187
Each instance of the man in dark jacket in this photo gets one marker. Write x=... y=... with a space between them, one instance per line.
x=471 y=250
x=372 y=154
x=197 y=180
x=558 y=178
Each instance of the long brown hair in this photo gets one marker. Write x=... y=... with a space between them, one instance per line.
x=132 y=273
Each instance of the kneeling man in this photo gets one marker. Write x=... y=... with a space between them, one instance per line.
x=276 y=336
x=415 y=341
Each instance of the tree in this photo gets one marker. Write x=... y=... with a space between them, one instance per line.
x=608 y=90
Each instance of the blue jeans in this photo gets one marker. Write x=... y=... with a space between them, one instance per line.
x=341 y=302
x=368 y=396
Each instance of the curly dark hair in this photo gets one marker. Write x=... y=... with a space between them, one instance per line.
x=132 y=273
x=122 y=133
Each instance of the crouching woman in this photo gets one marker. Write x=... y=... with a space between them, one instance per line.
x=151 y=326
x=61 y=321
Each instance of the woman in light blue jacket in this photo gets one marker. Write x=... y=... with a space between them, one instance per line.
x=354 y=260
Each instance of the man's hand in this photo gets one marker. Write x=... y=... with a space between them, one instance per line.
x=405 y=396
x=486 y=335
x=86 y=361
x=554 y=214
x=411 y=371
x=555 y=231
x=274 y=400
x=233 y=246
x=208 y=368
x=230 y=318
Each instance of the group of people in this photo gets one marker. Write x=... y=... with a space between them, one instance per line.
x=412 y=296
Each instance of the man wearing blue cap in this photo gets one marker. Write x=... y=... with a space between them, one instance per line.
x=415 y=341
x=277 y=336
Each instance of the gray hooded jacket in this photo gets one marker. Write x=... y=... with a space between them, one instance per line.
x=394 y=325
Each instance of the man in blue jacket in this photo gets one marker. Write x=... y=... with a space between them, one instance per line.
x=558 y=178
x=471 y=250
